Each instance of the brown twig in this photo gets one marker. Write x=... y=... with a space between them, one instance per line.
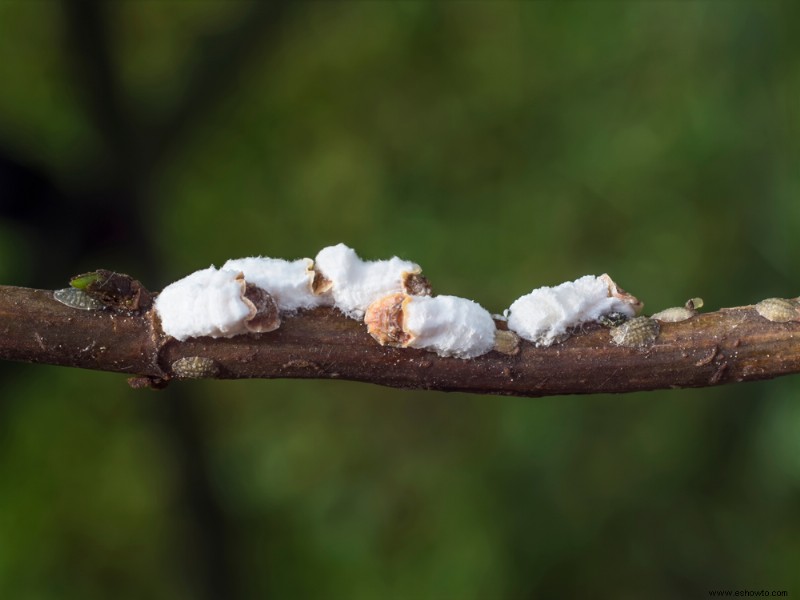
x=729 y=345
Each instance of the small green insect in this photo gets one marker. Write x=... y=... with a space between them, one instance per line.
x=636 y=333
x=75 y=298
x=115 y=290
x=82 y=282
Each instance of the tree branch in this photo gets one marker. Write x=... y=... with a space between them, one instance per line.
x=729 y=345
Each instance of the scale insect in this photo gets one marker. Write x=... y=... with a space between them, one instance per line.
x=778 y=310
x=636 y=333
x=447 y=325
x=215 y=303
x=75 y=298
x=679 y=313
x=195 y=367
x=547 y=315
x=354 y=284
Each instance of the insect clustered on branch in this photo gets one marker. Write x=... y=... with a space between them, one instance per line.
x=391 y=297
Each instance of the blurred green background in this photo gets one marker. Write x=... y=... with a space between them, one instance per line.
x=501 y=145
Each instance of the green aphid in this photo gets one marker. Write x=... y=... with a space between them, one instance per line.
x=115 y=290
x=82 y=282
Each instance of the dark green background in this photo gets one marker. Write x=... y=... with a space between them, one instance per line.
x=501 y=145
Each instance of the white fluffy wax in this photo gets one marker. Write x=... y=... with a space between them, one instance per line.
x=288 y=282
x=449 y=326
x=207 y=302
x=546 y=313
x=355 y=284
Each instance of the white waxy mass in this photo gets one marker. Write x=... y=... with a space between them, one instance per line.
x=354 y=284
x=208 y=302
x=544 y=315
x=447 y=325
x=289 y=282
x=248 y=295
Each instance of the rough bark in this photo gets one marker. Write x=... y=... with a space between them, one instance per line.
x=729 y=345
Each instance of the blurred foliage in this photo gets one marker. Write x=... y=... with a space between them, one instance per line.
x=503 y=146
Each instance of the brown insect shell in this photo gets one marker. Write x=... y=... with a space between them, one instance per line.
x=416 y=284
x=264 y=314
x=385 y=320
x=319 y=283
x=614 y=291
